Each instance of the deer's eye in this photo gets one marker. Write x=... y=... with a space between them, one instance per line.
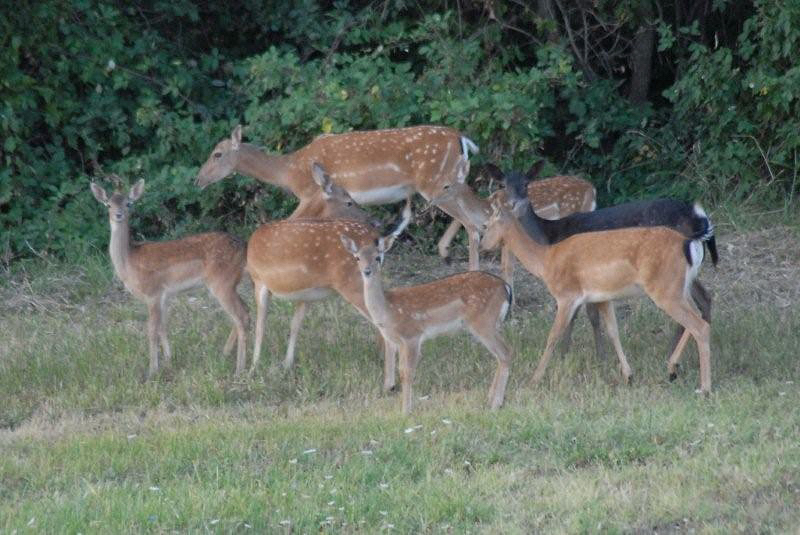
x=217 y=155
x=349 y=203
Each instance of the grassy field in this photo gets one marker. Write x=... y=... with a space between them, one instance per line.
x=86 y=447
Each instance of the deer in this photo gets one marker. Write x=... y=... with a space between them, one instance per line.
x=302 y=260
x=373 y=166
x=332 y=203
x=552 y=198
x=475 y=300
x=155 y=271
x=556 y=197
x=688 y=219
x=598 y=267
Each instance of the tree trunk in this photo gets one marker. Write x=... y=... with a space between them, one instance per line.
x=642 y=56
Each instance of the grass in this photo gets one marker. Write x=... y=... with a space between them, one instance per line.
x=87 y=447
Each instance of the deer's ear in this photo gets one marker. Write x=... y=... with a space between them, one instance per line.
x=349 y=244
x=136 y=191
x=385 y=243
x=322 y=179
x=236 y=137
x=99 y=193
x=534 y=171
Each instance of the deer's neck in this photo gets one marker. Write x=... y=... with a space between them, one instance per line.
x=269 y=168
x=533 y=225
x=474 y=207
x=119 y=248
x=375 y=301
x=526 y=249
x=310 y=207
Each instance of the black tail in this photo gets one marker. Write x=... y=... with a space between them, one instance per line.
x=712 y=249
x=704 y=230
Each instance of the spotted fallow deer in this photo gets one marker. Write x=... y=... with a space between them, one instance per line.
x=475 y=300
x=597 y=267
x=687 y=218
x=154 y=271
x=374 y=166
x=302 y=260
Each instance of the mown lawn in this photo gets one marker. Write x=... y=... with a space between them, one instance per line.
x=86 y=447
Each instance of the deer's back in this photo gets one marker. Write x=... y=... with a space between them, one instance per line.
x=292 y=255
x=175 y=265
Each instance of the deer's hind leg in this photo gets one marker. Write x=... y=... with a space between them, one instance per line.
x=684 y=313
x=232 y=303
x=300 y=310
x=497 y=346
x=701 y=299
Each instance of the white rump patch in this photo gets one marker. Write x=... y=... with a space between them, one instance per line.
x=696 y=252
x=698 y=210
x=503 y=311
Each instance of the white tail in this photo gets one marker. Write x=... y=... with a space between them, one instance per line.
x=303 y=260
x=475 y=300
x=154 y=271
x=374 y=167
x=597 y=267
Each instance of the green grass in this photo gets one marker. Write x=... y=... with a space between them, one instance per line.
x=86 y=447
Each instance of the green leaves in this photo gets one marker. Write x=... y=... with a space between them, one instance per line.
x=146 y=89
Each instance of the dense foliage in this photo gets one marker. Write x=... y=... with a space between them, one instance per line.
x=693 y=99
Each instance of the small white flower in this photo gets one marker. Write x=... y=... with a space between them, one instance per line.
x=292 y=461
x=383 y=485
x=445 y=421
x=155 y=489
